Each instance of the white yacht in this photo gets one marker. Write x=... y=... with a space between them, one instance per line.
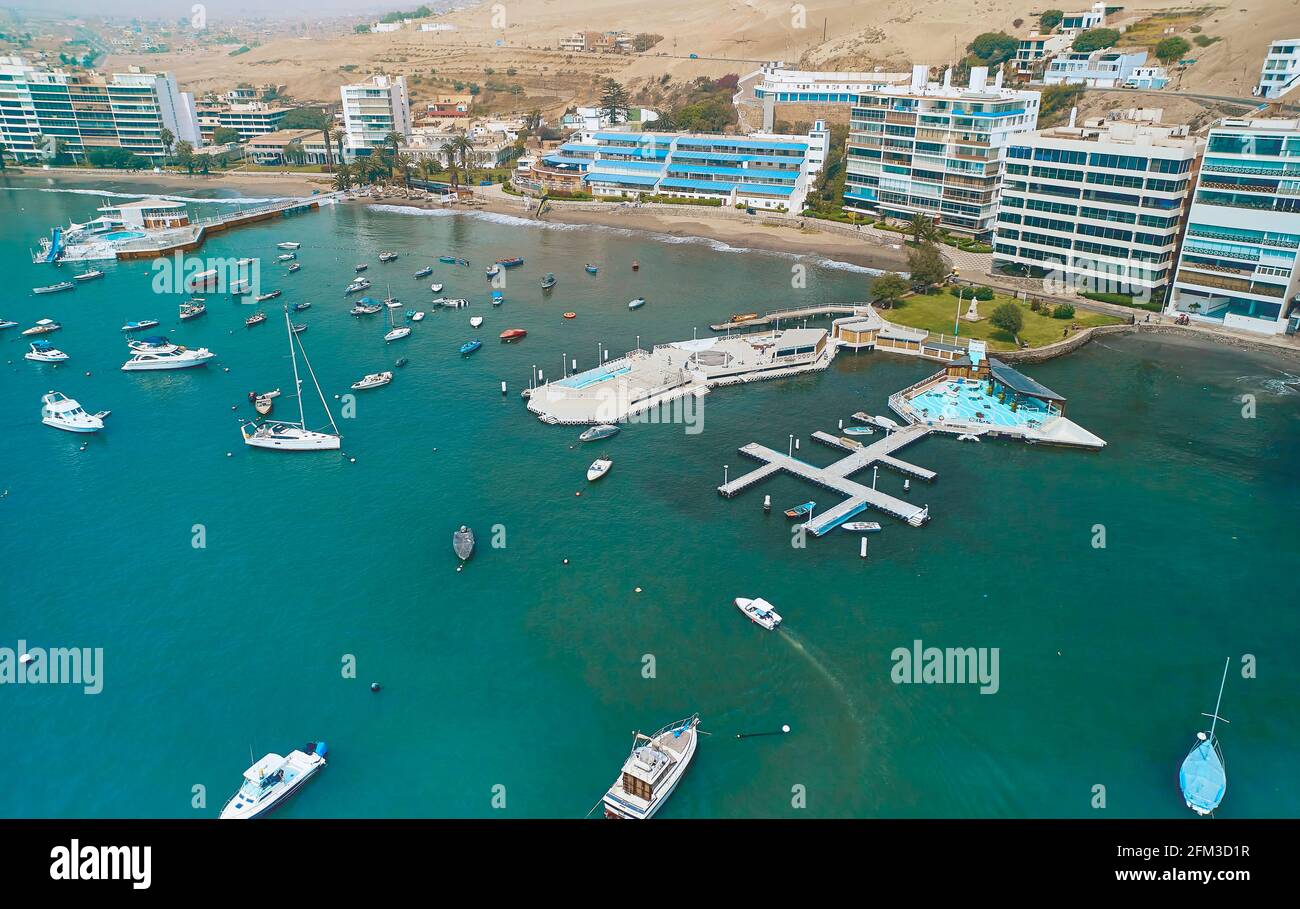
x=759 y=611
x=282 y=435
x=166 y=356
x=599 y=468
x=45 y=352
x=273 y=780
x=652 y=771
x=374 y=380
x=288 y=244
x=62 y=412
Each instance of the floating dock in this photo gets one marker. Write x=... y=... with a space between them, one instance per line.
x=835 y=477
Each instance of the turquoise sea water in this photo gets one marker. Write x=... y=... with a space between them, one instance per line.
x=524 y=672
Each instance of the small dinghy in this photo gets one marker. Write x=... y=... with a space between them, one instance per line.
x=475 y=321
x=424 y=272
x=256 y=318
x=498 y=298
x=417 y=316
x=759 y=611
x=603 y=431
x=549 y=281
x=470 y=346
x=462 y=543
x=299 y=307
x=44 y=352
x=401 y=361
x=140 y=326
x=800 y=510
x=591 y=269
x=450 y=260
x=387 y=256
x=862 y=527
x=374 y=380
x=599 y=468
x=294 y=267
x=361 y=266
x=436 y=288
x=262 y=403
x=492 y=271
x=637 y=303
x=513 y=334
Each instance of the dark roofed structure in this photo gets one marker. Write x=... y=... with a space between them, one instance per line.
x=1020 y=383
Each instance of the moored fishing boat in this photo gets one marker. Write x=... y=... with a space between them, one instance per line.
x=591 y=269
x=192 y=310
x=450 y=260
x=462 y=543
x=62 y=412
x=424 y=272
x=274 y=780
x=498 y=298
x=652 y=771
x=511 y=261
x=470 y=346
x=54 y=288
x=288 y=244
x=492 y=271
x=373 y=380
x=361 y=266
x=90 y=275
x=1202 y=777
x=387 y=256
x=603 y=431
x=299 y=307
x=800 y=510
x=293 y=268
x=256 y=318
x=759 y=611
x=549 y=281
x=513 y=334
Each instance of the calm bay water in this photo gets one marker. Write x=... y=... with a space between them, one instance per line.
x=524 y=672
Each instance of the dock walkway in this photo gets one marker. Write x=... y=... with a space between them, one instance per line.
x=802 y=312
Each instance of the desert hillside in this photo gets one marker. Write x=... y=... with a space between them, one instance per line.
x=520 y=54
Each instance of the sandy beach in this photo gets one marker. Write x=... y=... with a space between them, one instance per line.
x=264 y=183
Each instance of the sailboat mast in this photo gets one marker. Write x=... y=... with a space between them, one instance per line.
x=1215 y=720
x=293 y=356
x=311 y=372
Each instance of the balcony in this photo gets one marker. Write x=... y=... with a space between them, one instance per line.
x=1233 y=284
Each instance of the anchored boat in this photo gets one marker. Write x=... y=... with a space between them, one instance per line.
x=599 y=468
x=88 y=275
x=374 y=380
x=462 y=542
x=387 y=256
x=591 y=269
x=288 y=244
x=603 y=431
x=62 y=412
x=637 y=303
x=167 y=356
x=513 y=334
x=653 y=770
x=42 y=326
x=424 y=272
x=800 y=510
x=273 y=780
x=140 y=326
x=54 y=288
x=256 y=318
x=470 y=346
x=283 y=435
x=861 y=527
x=44 y=352
x=1202 y=777
x=192 y=310
x=549 y=281
x=511 y=262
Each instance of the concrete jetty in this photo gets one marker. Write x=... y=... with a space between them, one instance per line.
x=802 y=312
x=835 y=477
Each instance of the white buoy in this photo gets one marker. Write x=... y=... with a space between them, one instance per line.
x=573 y=365
x=862 y=550
x=907 y=484
x=767 y=503
x=796 y=444
x=503 y=387
x=841 y=423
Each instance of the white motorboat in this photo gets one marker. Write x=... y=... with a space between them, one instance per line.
x=283 y=435
x=42 y=326
x=418 y=316
x=451 y=303
x=8 y=323
x=603 y=431
x=288 y=244
x=45 y=352
x=475 y=321
x=652 y=771
x=374 y=380
x=436 y=288
x=88 y=275
x=272 y=780
x=599 y=468
x=357 y=286
x=62 y=412
x=286 y=257
x=861 y=527
x=759 y=611
x=142 y=325
x=169 y=357
x=637 y=303
x=192 y=310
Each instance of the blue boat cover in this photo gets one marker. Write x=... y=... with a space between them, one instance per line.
x=1202 y=778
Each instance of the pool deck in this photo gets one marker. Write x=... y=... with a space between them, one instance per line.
x=835 y=477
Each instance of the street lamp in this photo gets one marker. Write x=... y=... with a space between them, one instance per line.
x=961 y=291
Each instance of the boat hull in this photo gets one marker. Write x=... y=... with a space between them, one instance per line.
x=616 y=808
x=95 y=426
x=291 y=438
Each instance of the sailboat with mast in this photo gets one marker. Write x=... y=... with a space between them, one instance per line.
x=1202 y=777
x=395 y=332
x=285 y=435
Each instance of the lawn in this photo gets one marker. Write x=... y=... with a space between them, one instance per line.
x=934 y=312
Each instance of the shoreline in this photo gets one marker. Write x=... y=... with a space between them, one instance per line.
x=262 y=183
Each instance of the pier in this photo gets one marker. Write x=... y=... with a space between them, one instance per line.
x=835 y=477
x=802 y=312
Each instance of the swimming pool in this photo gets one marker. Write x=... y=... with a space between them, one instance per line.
x=593 y=376
x=965 y=401
x=124 y=235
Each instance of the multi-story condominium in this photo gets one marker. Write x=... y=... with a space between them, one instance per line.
x=1281 y=70
x=254 y=118
x=43 y=110
x=1240 y=260
x=773 y=84
x=1099 y=69
x=935 y=149
x=1034 y=52
x=761 y=170
x=1073 y=23
x=1098 y=206
x=372 y=110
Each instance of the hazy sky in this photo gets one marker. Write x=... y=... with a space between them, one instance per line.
x=175 y=9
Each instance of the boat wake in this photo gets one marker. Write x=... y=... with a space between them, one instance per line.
x=715 y=245
x=831 y=678
x=1283 y=384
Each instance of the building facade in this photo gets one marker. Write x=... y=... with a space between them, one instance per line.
x=253 y=118
x=775 y=84
x=372 y=110
x=762 y=170
x=287 y=147
x=43 y=110
x=1281 y=70
x=1240 y=258
x=1099 y=206
x=1099 y=69
x=935 y=149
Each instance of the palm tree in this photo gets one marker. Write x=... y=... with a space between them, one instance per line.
x=293 y=152
x=185 y=156
x=923 y=229
x=342 y=177
x=404 y=165
x=449 y=151
x=464 y=149
x=337 y=136
x=205 y=162
x=167 y=137
x=428 y=167
x=388 y=148
x=329 y=151
x=4 y=149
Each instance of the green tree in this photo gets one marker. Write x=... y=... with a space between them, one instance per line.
x=1009 y=318
x=185 y=155
x=204 y=162
x=404 y=165
x=923 y=229
x=613 y=101
x=1171 y=49
x=926 y=264
x=1095 y=39
x=168 y=140
x=305 y=118
x=888 y=289
x=1049 y=19
x=224 y=135
x=994 y=48
x=342 y=177
x=4 y=150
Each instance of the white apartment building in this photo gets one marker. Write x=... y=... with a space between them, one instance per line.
x=1281 y=70
x=1100 y=205
x=1240 y=262
x=774 y=84
x=935 y=149
x=373 y=109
